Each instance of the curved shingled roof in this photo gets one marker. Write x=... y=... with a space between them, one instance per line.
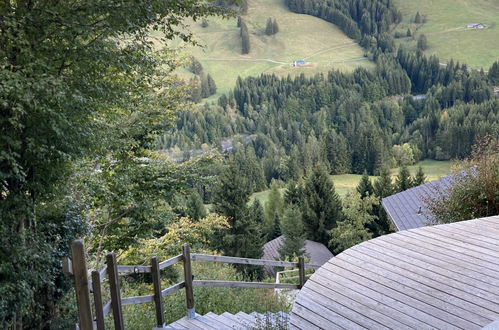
x=407 y=209
x=436 y=277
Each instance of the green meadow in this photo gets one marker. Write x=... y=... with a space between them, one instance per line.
x=447 y=32
x=300 y=37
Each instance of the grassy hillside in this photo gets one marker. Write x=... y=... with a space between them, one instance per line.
x=300 y=37
x=446 y=29
x=348 y=182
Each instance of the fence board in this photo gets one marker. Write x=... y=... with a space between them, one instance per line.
x=237 y=284
x=170 y=262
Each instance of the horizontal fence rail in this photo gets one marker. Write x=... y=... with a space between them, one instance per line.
x=239 y=284
x=85 y=285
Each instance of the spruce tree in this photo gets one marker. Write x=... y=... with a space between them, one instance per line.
x=205 y=88
x=409 y=33
x=365 y=187
x=245 y=39
x=274 y=209
x=243 y=238
x=212 y=87
x=419 y=178
x=494 y=74
x=258 y=212
x=418 y=19
x=403 y=180
x=422 y=42
x=321 y=207
x=294 y=193
x=294 y=236
x=195 y=207
x=275 y=26
x=383 y=186
x=269 y=29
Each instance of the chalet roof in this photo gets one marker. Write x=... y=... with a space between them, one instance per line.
x=317 y=253
x=437 y=277
x=407 y=209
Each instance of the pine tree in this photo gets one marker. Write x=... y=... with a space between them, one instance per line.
x=494 y=74
x=294 y=193
x=239 y=21
x=275 y=26
x=244 y=237
x=204 y=23
x=365 y=187
x=195 y=94
x=246 y=47
x=409 y=33
x=195 y=66
x=403 y=180
x=419 y=178
x=195 y=207
x=383 y=187
x=321 y=207
x=422 y=42
x=205 y=88
x=417 y=18
x=258 y=212
x=274 y=209
x=269 y=29
x=212 y=87
x=294 y=236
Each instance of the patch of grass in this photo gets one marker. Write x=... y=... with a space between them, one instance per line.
x=346 y=183
x=306 y=37
x=446 y=29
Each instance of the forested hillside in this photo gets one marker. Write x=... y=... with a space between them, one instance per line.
x=99 y=140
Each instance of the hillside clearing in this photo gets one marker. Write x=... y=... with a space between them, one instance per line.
x=447 y=32
x=345 y=183
x=321 y=43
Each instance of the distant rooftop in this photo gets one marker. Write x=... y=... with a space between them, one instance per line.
x=317 y=252
x=407 y=209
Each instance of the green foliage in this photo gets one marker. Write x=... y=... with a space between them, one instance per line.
x=294 y=234
x=244 y=237
x=422 y=42
x=321 y=206
x=195 y=207
x=271 y=27
x=365 y=187
x=354 y=227
x=418 y=19
x=245 y=39
x=403 y=181
x=494 y=73
x=195 y=66
x=474 y=193
x=67 y=73
x=383 y=186
x=274 y=209
x=419 y=178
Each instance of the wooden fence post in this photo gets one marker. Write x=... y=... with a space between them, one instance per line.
x=99 y=312
x=301 y=271
x=158 y=301
x=114 y=286
x=189 y=293
x=80 y=273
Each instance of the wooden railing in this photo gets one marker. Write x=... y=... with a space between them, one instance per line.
x=84 y=286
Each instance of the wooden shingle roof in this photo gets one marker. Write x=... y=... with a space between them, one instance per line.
x=407 y=209
x=436 y=277
x=317 y=253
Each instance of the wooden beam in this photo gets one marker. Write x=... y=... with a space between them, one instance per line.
x=99 y=311
x=189 y=292
x=136 y=300
x=301 y=271
x=248 y=261
x=80 y=273
x=114 y=286
x=237 y=284
x=170 y=262
x=158 y=301
x=133 y=269
x=172 y=289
